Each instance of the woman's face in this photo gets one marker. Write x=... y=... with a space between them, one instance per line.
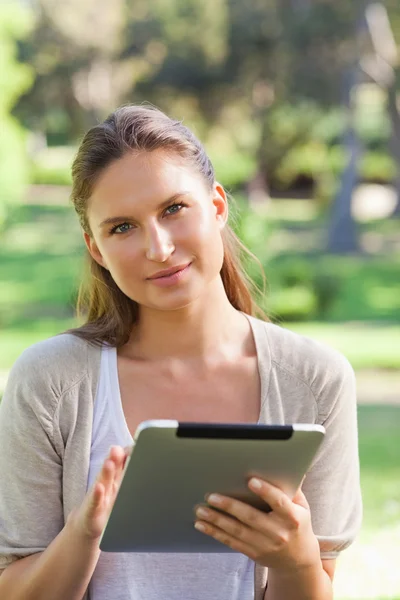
x=149 y=212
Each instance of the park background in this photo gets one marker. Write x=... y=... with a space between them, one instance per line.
x=296 y=102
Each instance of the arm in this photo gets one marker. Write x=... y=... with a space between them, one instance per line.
x=308 y=584
x=74 y=552
x=70 y=556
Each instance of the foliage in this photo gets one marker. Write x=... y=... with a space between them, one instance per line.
x=52 y=166
x=260 y=83
x=14 y=79
x=305 y=284
x=225 y=56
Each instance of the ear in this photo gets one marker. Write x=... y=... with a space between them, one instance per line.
x=220 y=203
x=94 y=250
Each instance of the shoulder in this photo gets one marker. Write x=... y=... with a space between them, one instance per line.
x=324 y=370
x=58 y=363
x=301 y=354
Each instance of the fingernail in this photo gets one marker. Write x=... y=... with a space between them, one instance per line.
x=255 y=483
x=214 y=499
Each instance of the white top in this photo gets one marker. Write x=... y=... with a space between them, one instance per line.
x=151 y=576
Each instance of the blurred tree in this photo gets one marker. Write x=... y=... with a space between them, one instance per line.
x=90 y=59
x=383 y=66
x=240 y=70
x=186 y=42
x=77 y=51
x=251 y=78
x=14 y=79
x=224 y=58
x=295 y=56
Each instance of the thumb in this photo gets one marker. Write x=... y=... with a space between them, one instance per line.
x=300 y=499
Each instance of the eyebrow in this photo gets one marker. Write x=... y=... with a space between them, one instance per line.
x=112 y=220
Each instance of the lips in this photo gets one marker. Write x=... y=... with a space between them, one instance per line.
x=168 y=272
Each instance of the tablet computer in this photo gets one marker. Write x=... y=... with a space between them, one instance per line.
x=173 y=465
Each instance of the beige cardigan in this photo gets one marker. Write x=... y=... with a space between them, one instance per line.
x=46 y=425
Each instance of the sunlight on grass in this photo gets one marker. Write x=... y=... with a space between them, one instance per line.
x=364 y=344
x=369 y=567
x=14 y=341
x=384 y=297
x=291 y=210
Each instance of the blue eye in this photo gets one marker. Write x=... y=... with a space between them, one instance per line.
x=176 y=205
x=123 y=228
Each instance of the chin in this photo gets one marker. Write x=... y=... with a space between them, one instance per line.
x=173 y=302
x=172 y=305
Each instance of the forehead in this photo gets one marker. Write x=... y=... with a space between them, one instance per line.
x=144 y=177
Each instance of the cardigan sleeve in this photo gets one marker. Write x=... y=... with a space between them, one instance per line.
x=31 y=507
x=332 y=485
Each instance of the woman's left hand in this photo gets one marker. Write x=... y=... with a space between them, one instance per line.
x=281 y=539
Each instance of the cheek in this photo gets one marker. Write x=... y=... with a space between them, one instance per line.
x=208 y=240
x=126 y=269
x=204 y=228
x=119 y=256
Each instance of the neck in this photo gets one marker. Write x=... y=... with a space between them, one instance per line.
x=206 y=326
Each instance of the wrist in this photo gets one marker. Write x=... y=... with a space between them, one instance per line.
x=308 y=564
x=299 y=571
x=308 y=582
x=74 y=528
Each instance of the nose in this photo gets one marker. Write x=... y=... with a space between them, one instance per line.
x=159 y=245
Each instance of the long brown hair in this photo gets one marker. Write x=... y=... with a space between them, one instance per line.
x=109 y=315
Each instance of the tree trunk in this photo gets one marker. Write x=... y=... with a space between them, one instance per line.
x=342 y=231
x=257 y=189
x=395 y=121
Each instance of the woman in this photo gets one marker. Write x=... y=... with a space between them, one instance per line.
x=170 y=333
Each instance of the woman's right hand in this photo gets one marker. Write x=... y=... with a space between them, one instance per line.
x=91 y=517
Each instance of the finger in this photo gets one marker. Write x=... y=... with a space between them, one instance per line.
x=106 y=475
x=256 y=520
x=227 y=539
x=127 y=454
x=279 y=502
x=117 y=454
x=232 y=526
x=96 y=498
x=300 y=499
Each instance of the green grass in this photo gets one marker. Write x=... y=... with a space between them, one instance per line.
x=369 y=568
x=14 y=340
x=379 y=448
x=41 y=251
x=334 y=288
x=366 y=345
